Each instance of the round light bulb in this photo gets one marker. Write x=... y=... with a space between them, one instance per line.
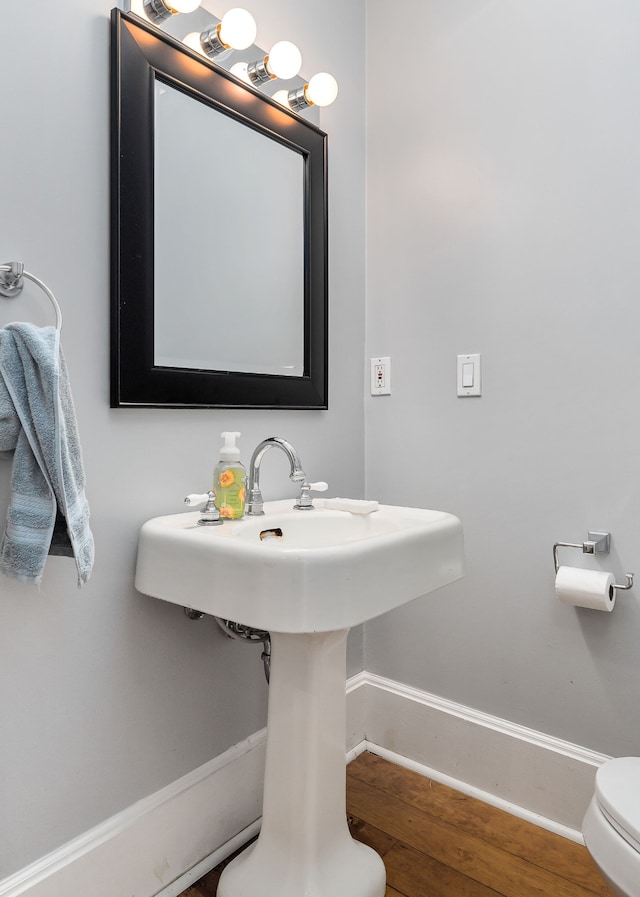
x=192 y=40
x=238 y=29
x=282 y=97
x=241 y=70
x=322 y=89
x=183 y=5
x=285 y=60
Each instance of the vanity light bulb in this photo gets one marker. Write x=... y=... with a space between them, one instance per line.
x=241 y=70
x=282 y=97
x=284 y=60
x=192 y=40
x=183 y=5
x=322 y=89
x=238 y=29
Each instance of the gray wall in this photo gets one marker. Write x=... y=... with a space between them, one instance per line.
x=107 y=695
x=504 y=218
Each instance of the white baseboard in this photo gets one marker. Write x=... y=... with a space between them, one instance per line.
x=162 y=844
x=536 y=776
x=141 y=851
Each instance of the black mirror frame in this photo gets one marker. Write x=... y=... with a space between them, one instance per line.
x=139 y=52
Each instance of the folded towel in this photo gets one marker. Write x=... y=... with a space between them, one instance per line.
x=48 y=510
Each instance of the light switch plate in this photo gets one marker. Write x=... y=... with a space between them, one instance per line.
x=469 y=375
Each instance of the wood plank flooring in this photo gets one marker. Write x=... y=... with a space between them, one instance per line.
x=437 y=842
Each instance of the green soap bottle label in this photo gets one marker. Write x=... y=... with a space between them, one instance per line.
x=229 y=489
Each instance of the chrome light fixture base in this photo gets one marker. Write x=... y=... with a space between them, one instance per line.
x=258 y=72
x=297 y=99
x=211 y=43
x=157 y=10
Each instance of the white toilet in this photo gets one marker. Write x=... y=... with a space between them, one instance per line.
x=611 y=826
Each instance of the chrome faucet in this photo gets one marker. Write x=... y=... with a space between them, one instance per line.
x=297 y=475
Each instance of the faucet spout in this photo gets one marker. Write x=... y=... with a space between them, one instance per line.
x=297 y=475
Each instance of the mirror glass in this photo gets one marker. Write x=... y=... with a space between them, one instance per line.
x=242 y=256
x=219 y=226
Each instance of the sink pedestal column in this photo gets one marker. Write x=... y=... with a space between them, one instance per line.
x=305 y=848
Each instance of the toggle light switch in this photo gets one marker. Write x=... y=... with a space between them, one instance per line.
x=469 y=379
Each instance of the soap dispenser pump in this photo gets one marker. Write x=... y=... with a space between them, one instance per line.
x=229 y=479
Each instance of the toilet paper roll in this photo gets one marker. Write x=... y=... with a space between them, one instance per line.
x=586 y=588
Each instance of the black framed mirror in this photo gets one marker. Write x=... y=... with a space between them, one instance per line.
x=219 y=235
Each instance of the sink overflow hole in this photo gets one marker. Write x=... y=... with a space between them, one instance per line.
x=275 y=533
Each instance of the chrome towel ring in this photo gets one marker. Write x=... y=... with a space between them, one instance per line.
x=12 y=276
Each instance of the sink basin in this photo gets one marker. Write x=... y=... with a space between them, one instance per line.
x=300 y=571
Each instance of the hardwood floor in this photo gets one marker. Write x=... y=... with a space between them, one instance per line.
x=437 y=842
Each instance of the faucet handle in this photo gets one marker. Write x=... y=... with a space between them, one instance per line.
x=196 y=498
x=305 y=501
x=209 y=515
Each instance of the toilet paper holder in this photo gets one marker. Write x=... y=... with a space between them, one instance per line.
x=596 y=543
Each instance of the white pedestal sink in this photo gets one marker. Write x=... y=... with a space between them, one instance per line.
x=306 y=577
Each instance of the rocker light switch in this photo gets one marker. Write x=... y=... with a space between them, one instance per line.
x=469 y=380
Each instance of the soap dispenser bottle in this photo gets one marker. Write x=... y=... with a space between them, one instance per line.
x=229 y=479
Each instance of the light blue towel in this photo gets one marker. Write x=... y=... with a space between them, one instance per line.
x=38 y=427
